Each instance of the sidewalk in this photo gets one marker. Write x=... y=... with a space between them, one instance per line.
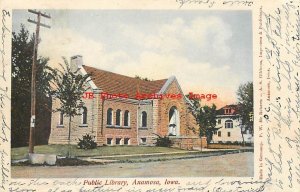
x=105 y=159
x=197 y=153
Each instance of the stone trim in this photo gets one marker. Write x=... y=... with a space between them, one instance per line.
x=117 y=127
x=89 y=80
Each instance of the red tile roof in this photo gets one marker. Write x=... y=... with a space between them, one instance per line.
x=114 y=83
x=234 y=110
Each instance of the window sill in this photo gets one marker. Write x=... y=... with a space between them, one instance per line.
x=83 y=125
x=60 y=126
x=117 y=127
x=143 y=128
x=143 y=143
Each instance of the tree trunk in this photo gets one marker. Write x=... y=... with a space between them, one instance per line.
x=69 y=135
x=69 y=138
x=242 y=136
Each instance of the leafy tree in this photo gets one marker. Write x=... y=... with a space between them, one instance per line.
x=205 y=117
x=141 y=78
x=69 y=86
x=245 y=99
x=22 y=52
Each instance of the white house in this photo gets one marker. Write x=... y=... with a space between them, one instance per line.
x=229 y=128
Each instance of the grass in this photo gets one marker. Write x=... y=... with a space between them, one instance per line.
x=62 y=150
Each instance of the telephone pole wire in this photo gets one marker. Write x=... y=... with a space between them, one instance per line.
x=33 y=77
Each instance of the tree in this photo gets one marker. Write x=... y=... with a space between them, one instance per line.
x=69 y=88
x=141 y=78
x=205 y=117
x=245 y=100
x=22 y=52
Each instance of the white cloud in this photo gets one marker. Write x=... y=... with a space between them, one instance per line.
x=66 y=43
x=200 y=33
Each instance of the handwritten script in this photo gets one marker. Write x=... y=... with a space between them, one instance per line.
x=219 y=185
x=213 y=3
x=4 y=101
x=281 y=29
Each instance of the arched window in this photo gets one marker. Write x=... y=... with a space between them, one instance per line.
x=109 y=116
x=84 y=115
x=174 y=121
x=61 y=118
x=126 y=118
x=118 y=117
x=144 y=119
x=228 y=124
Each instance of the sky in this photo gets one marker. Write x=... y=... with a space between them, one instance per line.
x=209 y=52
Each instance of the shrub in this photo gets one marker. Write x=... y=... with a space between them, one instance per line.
x=163 y=141
x=87 y=142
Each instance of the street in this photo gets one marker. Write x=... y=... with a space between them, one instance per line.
x=231 y=165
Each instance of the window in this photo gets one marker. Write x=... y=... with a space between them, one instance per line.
x=228 y=124
x=219 y=133
x=84 y=115
x=227 y=111
x=118 y=141
x=144 y=119
x=143 y=140
x=219 y=121
x=118 y=117
x=126 y=118
x=109 y=141
x=109 y=116
x=61 y=118
x=228 y=134
x=126 y=141
x=251 y=131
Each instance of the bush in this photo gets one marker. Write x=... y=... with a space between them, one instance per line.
x=87 y=142
x=163 y=141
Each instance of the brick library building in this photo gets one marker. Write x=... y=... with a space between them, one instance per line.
x=115 y=116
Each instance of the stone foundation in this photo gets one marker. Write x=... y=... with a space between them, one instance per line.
x=189 y=143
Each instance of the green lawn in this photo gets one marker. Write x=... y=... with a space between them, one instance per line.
x=62 y=150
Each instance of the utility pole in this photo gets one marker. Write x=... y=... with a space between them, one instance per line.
x=33 y=77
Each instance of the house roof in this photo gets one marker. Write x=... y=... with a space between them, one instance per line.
x=234 y=110
x=114 y=83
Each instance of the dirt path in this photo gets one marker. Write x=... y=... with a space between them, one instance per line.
x=240 y=165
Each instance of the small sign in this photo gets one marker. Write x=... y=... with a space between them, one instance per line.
x=32 y=121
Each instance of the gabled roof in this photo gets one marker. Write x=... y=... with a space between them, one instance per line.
x=114 y=83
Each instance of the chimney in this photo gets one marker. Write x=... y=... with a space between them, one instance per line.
x=76 y=62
